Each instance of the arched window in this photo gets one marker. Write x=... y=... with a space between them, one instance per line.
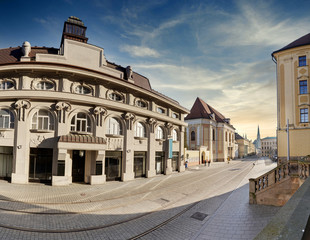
x=6 y=84
x=159 y=133
x=174 y=135
x=6 y=119
x=213 y=135
x=43 y=120
x=114 y=126
x=193 y=136
x=81 y=89
x=81 y=123
x=226 y=136
x=139 y=130
x=45 y=85
x=229 y=137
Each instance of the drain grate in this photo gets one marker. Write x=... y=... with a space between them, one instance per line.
x=235 y=169
x=199 y=216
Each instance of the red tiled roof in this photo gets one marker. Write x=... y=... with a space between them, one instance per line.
x=201 y=109
x=304 y=40
x=11 y=55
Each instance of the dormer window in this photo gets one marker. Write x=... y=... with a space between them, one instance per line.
x=81 y=89
x=6 y=85
x=115 y=96
x=44 y=85
x=160 y=110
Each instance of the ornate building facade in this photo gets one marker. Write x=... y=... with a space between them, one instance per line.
x=69 y=115
x=293 y=100
x=209 y=129
x=269 y=147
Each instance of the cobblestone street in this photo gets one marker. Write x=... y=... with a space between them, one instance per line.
x=201 y=203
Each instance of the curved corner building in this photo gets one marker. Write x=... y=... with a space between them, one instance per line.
x=68 y=115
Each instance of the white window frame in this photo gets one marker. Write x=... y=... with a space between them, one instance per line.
x=140 y=130
x=42 y=121
x=83 y=122
x=7 y=119
x=159 y=132
x=174 y=135
x=114 y=126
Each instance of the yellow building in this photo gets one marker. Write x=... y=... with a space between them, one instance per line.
x=210 y=130
x=293 y=100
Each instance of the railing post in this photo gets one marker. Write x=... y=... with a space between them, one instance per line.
x=252 y=190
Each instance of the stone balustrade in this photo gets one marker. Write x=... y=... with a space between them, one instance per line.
x=295 y=170
x=268 y=179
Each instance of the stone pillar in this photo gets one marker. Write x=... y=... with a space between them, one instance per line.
x=181 y=150
x=150 y=172
x=128 y=153
x=20 y=172
x=63 y=157
x=98 y=179
x=211 y=143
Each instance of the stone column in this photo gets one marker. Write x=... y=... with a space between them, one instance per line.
x=168 y=169
x=181 y=150
x=151 y=149
x=20 y=172
x=128 y=153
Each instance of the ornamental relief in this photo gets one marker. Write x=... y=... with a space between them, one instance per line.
x=37 y=140
x=114 y=143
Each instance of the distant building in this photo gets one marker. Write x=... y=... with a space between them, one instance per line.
x=269 y=146
x=69 y=115
x=209 y=128
x=245 y=146
x=293 y=100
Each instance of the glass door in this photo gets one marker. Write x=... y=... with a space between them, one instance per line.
x=139 y=164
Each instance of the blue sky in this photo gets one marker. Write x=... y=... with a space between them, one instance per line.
x=217 y=50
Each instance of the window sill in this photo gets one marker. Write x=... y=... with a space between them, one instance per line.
x=114 y=136
x=140 y=138
x=81 y=133
x=159 y=139
x=41 y=131
x=6 y=129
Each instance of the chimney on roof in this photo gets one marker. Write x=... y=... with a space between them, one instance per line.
x=74 y=29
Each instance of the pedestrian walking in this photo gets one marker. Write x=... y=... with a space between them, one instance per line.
x=209 y=163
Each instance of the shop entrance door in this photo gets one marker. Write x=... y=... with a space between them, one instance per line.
x=78 y=165
x=40 y=165
x=113 y=165
x=159 y=162
x=139 y=164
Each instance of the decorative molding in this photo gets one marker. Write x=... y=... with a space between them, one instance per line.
x=129 y=117
x=62 y=108
x=152 y=123
x=21 y=106
x=99 y=112
x=37 y=140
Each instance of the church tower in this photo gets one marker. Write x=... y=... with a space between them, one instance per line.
x=258 y=143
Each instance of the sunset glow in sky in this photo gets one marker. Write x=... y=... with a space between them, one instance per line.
x=217 y=50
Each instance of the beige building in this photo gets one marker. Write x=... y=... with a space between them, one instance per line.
x=210 y=129
x=269 y=146
x=245 y=146
x=69 y=115
x=293 y=101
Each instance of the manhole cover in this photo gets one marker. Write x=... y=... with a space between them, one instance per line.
x=199 y=216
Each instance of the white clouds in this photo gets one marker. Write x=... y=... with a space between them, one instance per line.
x=139 y=51
x=256 y=24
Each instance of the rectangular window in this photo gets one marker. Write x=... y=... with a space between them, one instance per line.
x=302 y=61
x=304 y=115
x=303 y=88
